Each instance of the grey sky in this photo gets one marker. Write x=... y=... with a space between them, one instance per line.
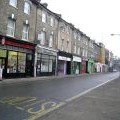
x=96 y=18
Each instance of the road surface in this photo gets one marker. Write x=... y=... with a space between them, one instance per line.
x=32 y=100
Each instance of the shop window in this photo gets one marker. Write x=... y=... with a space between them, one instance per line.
x=21 y=62
x=29 y=57
x=16 y=62
x=27 y=8
x=11 y=27
x=12 y=62
x=25 y=32
x=50 y=65
x=44 y=65
x=3 y=53
x=13 y=3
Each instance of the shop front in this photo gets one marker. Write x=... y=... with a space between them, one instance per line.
x=104 y=68
x=64 y=63
x=76 y=63
x=97 y=67
x=84 y=66
x=46 y=61
x=91 y=66
x=16 y=57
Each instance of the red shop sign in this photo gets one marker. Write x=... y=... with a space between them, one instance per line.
x=22 y=45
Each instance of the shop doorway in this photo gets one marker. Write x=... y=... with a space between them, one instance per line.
x=29 y=65
x=2 y=64
x=68 y=69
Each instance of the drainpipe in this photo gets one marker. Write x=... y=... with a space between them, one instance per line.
x=56 y=70
x=35 y=53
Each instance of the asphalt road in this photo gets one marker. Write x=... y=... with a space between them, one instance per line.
x=30 y=101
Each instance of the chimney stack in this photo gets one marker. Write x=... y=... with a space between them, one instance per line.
x=45 y=5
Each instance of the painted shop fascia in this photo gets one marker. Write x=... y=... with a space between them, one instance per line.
x=16 y=57
x=64 y=63
x=46 y=60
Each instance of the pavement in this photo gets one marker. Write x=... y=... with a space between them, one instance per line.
x=102 y=103
x=32 y=79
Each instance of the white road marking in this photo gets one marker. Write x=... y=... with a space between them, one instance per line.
x=87 y=91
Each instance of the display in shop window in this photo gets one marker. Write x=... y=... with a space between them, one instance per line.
x=21 y=62
x=44 y=65
x=12 y=62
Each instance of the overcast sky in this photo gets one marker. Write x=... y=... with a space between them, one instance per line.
x=96 y=18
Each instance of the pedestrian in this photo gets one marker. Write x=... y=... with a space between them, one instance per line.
x=1 y=72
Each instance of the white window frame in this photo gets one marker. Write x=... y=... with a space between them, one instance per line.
x=13 y=3
x=44 y=17
x=51 y=40
x=62 y=45
x=27 y=8
x=75 y=35
x=79 y=50
x=11 y=29
x=52 y=22
x=25 y=34
x=79 y=37
x=68 y=30
x=75 y=49
x=67 y=46
x=43 y=37
x=83 y=52
x=86 y=53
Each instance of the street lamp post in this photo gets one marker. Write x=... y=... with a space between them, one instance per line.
x=118 y=64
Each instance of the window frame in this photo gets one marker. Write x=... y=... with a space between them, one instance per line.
x=9 y=27
x=75 y=49
x=43 y=39
x=13 y=3
x=51 y=21
x=24 y=32
x=44 y=17
x=27 y=8
x=79 y=51
x=62 y=45
x=51 y=36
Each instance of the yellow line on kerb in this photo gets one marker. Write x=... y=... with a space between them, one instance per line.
x=38 y=115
